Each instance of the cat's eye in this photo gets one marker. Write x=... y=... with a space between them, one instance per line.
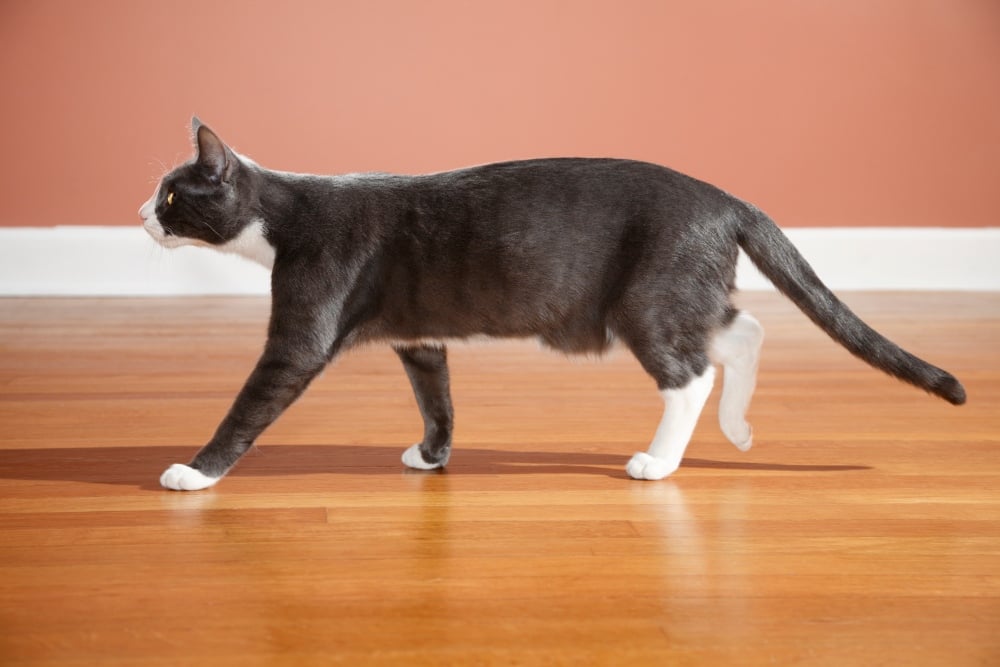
x=170 y=198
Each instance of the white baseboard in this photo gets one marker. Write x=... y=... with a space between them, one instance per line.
x=894 y=258
x=116 y=261
x=124 y=261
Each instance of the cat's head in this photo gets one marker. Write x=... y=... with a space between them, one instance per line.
x=206 y=201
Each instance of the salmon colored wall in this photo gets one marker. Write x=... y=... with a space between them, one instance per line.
x=857 y=112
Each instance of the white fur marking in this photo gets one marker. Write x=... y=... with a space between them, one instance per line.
x=737 y=349
x=149 y=220
x=252 y=244
x=682 y=407
x=413 y=459
x=406 y=343
x=180 y=477
x=148 y=208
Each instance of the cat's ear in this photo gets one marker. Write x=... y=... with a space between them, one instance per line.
x=214 y=157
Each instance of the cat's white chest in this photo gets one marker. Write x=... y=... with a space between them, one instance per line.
x=252 y=244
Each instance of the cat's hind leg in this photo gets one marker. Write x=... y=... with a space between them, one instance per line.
x=682 y=407
x=427 y=368
x=737 y=349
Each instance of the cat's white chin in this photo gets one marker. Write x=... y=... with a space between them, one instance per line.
x=180 y=477
x=154 y=229
x=158 y=234
x=177 y=242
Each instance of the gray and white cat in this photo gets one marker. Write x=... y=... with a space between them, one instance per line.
x=578 y=253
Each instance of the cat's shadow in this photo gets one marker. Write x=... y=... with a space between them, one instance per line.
x=141 y=466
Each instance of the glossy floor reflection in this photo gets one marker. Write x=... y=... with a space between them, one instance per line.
x=862 y=528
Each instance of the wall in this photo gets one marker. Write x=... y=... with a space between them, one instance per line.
x=859 y=112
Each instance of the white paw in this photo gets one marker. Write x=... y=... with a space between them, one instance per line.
x=180 y=477
x=741 y=435
x=413 y=459
x=644 y=466
x=747 y=443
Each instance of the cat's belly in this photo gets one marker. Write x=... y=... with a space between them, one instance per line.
x=569 y=337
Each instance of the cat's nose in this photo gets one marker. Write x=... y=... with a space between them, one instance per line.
x=146 y=209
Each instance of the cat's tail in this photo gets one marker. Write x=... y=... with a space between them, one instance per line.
x=776 y=257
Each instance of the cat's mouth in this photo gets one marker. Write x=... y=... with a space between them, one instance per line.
x=160 y=234
x=166 y=238
x=155 y=229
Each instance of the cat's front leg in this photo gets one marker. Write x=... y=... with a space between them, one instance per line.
x=427 y=368
x=288 y=365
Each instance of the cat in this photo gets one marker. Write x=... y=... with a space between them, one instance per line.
x=577 y=252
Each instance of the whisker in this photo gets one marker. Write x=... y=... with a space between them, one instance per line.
x=221 y=237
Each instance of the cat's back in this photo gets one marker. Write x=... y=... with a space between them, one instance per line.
x=553 y=179
x=556 y=172
x=577 y=196
x=594 y=183
x=553 y=201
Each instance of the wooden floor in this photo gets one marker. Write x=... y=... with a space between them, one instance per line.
x=862 y=529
